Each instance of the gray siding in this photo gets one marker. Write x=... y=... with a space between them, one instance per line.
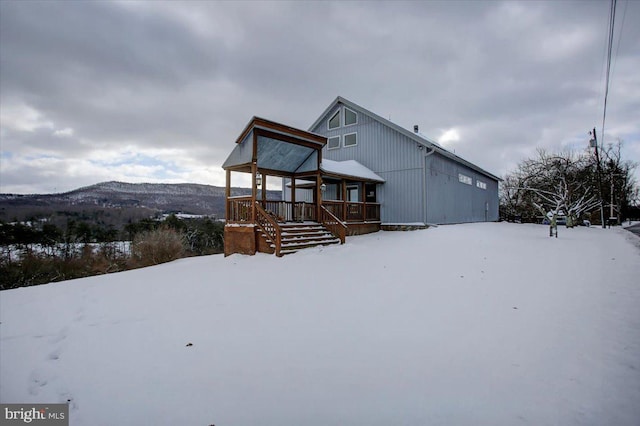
x=302 y=194
x=418 y=187
x=379 y=148
x=451 y=201
x=392 y=156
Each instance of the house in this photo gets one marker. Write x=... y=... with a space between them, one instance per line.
x=352 y=172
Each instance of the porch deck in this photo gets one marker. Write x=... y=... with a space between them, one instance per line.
x=282 y=227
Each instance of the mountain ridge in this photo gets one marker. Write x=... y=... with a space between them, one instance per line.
x=190 y=198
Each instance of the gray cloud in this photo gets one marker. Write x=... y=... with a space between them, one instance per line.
x=177 y=82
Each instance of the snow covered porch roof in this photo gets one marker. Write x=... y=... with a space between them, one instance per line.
x=349 y=169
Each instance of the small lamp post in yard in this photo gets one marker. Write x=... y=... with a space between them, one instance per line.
x=612 y=218
x=553 y=225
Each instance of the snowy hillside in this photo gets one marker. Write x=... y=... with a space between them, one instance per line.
x=187 y=197
x=114 y=188
x=479 y=324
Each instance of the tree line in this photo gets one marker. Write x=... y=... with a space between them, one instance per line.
x=577 y=186
x=37 y=252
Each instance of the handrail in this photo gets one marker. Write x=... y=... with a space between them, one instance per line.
x=269 y=226
x=333 y=224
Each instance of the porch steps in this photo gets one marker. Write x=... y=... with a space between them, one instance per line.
x=298 y=236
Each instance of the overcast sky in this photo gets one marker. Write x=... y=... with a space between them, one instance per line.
x=159 y=91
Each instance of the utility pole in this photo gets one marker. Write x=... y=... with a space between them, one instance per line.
x=611 y=205
x=594 y=144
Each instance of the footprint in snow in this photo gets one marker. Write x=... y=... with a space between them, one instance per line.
x=55 y=355
x=62 y=334
x=38 y=379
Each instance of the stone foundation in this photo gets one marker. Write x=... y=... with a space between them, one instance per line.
x=403 y=227
x=362 y=228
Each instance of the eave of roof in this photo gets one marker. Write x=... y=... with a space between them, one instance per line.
x=263 y=123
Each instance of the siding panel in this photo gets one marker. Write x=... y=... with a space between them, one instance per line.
x=451 y=201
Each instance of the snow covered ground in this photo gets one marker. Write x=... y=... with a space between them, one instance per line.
x=479 y=324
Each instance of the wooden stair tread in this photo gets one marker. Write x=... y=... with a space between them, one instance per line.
x=298 y=236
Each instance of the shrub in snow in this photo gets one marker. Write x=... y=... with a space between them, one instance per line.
x=157 y=246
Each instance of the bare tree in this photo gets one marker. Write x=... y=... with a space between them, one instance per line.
x=553 y=184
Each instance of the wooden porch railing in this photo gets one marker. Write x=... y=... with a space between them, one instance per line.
x=335 y=207
x=281 y=211
x=267 y=224
x=372 y=211
x=333 y=224
x=355 y=211
x=239 y=209
x=285 y=211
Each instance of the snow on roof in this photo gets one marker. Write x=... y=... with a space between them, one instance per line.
x=349 y=168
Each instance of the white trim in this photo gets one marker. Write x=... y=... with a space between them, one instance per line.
x=344 y=139
x=335 y=147
x=344 y=116
x=338 y=113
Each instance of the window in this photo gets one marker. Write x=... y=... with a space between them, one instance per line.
x=481 y=184
x=465 y=179
x=350 y=139
x=350 y=117
x=333 y=142
x=334 y=121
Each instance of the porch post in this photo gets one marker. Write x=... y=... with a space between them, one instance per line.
x=318 y=184
x=254 y=169
x=264 y=190
x=254 y=192
x=344 y=200
x=361 y=197
x=227 y=194
x=318 y=196
x=293 y=198
x=364 y=202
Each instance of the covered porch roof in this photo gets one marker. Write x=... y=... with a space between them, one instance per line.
x=275 y=149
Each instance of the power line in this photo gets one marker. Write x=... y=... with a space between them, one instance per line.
x=615 y=57
x=612 y=19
